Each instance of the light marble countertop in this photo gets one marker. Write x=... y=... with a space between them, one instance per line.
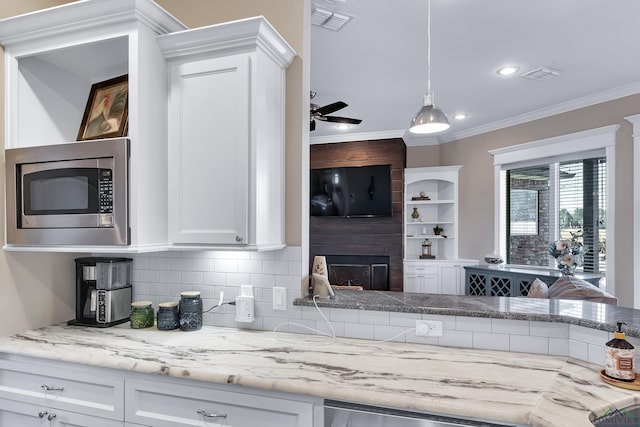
x=576 y=312
x=491 y=385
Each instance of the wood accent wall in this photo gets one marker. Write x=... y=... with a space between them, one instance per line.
x=362 y=236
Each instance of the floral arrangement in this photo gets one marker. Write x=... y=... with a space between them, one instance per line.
x=569 y=254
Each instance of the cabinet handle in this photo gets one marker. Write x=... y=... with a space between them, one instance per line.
x=239 y=239
x=46 y=387
x=51 y=417
x=210 y=414
x=42 y=414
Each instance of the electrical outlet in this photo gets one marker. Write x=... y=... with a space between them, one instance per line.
x=428 y=328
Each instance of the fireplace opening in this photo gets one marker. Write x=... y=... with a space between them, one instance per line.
x=370 y=272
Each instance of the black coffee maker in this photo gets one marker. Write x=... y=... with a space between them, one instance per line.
x=103 y=291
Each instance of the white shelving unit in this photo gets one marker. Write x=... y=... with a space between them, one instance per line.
x=440 y=185
x=443 y=274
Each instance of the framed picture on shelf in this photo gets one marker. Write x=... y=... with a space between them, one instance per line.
x=107 y=110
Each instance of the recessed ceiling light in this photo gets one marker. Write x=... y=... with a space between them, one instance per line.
x=460 y=116
x=508 y=70
x=343 y=126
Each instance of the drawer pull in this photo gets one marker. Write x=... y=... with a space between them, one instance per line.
x=51 y=417
x=46 y=387
x=42 y=414
x=210 y=414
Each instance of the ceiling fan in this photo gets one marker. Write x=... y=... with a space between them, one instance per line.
x=320 y=113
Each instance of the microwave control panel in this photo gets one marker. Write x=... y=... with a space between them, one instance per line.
x=106 y=191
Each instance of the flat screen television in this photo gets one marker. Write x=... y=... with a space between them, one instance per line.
x=355 y=191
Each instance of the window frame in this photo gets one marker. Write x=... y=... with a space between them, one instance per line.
x=599 y=141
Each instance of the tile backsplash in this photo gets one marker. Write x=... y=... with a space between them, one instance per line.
x=162 y=276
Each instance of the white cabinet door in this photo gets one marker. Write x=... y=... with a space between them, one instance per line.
x=430 y=284
x=411 y=284
x=209 y=131
x=448 y=279
x=19 y=414
x=169 y=403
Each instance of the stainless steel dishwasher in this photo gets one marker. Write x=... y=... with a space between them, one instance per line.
x=345 y=414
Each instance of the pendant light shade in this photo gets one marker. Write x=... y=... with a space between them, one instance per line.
x=430 y=119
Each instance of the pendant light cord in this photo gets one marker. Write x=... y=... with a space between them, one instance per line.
x=429 y=53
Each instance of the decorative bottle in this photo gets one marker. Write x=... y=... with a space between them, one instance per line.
x=619 y=355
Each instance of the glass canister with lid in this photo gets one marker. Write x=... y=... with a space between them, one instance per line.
x=190 y=311
x=168 y=316
x=142 y=315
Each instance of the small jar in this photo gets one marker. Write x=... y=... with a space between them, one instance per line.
x=190 y=311
x=168 y=318
x=141 y=315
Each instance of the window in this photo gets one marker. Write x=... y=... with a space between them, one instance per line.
x=553 y=201
x=547 y=189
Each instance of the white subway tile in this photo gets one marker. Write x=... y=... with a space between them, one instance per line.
x=214 y=254
x=529 y=344
x=473 y=324
x=303 y=326
x=203 y=264
x=191 y=278
x=578 y=350
x=191 y=254
x=413 y=338
x=238 y=279
x=389 y=333
x=549 y=329
x=295 y=268
x=596 y=354
x=374 y=317
x=336 y=328
x=149 y=276
x=227 y=320
x=238 y=255
x=141 y=263
x=262 y=280
x=249 y=266
x=206 y=291
x=141 y=288
x=588 y=335
x=218 y=279
x=275 y=267
x=182 y=264
x=407 y=320
x=358 y=330
x=343 y=315
x=489 y=341
x=226 y=265
x=160 y=288
x=510 y=326
x=312 y=313
x=457 y=339
x=159 y=264
x=177 y=289
x=263 y=309
x=288 y=281
x=559 y=346
x=169 y=277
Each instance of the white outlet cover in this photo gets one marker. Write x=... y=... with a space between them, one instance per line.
x=279 y=298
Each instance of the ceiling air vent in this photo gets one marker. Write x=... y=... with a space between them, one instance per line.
x=329 y=19
x=541 y=74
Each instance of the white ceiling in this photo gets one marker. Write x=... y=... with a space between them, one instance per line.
x=377 y=63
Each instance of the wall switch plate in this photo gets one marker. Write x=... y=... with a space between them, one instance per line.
x=428 y=328
x=279 y=298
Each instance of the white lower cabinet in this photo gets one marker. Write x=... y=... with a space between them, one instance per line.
x=38 y=392
x=64 y=394
x=177 y=403
x=435 y=277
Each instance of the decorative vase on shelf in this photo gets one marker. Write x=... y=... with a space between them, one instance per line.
x=568 y=270
x=415 y=214
x=437 y=230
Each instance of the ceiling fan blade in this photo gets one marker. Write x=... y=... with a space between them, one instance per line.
x=336 y=119
x=312 y=125
x=330 y=108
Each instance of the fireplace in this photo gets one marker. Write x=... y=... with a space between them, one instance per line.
x=370 y=272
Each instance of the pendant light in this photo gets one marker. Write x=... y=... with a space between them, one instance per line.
x=430 y=119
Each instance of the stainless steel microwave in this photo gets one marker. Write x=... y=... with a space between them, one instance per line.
x=68 y=194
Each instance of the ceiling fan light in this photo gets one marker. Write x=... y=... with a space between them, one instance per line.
x=430 y=119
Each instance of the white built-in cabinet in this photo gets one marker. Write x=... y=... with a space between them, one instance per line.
x=226 y=134
x=431 y=194
x=206 y=115
x=82 y=396
x=54 y=56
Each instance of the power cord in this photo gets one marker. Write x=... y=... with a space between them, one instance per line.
x=332 y=335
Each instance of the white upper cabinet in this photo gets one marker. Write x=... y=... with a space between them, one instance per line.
x=226 y=135
x=54 y=56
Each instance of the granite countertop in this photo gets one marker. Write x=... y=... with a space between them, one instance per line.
x=583 y=313
x=491 y=385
